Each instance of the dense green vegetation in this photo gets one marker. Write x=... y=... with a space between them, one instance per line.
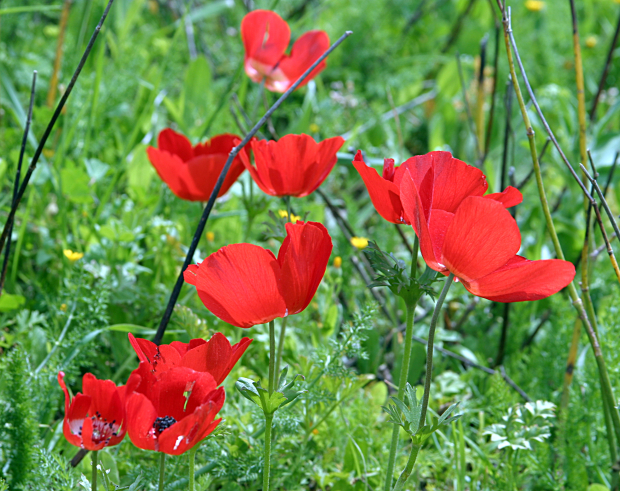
x=179 y=64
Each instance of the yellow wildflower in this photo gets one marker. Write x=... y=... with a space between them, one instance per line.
x=337 y=262
x=63 y=307
x=359 y=242
x=534 y=5
x=72 y=255
x=591 y=41
x=284 y=214
x=314 y=128
x=210 y=236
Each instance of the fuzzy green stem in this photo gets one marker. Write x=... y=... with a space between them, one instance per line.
x=192 y=464
x=269 y=416
x=404 y=371
x=272 y=357
x=162 y=464
x=94 y=456
x=415 y=449
x=280 y=350
x=267 y=458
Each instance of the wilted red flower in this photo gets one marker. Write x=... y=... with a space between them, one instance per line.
x=295 y=165
x=192 y=171
x=96 y=418
x=172 y=413
x=479 y=242
x=245 y=285
x=265 y=39
x=215 y=356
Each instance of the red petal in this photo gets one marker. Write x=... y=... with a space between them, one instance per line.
x=172 y=170
x=265 y=38
x=212 y=357
x=104 y=398
x=482 y=237
x=413 y=207
x=508 y=197
x=176 y=144
x=180 y=347
x=262 y=179
x=145 y=349
x=173 y=387
x=306 y=50
x=303 y=259
x=239 y=284
x=141 y=415
x=454 y=181
x=385 y=195
x=190 y=275
x=522 y=280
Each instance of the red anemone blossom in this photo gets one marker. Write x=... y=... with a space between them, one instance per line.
x=192 y=171
x=215 y=356
x=479 y=245
x=265 y=39
x=172 y=413
x=245 y=285
x=449 y=181
x=96 y=418
x=295 y=165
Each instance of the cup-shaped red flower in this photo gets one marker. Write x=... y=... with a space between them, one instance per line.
x=479 y=245
x=265 y=39
x=245 y=285
x=192 y=171
x=215 y=356
x=295 y=165
x=175 y=413
x=432 y=187
x=95 y=418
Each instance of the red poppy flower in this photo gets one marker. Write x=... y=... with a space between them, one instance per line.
x=295 y=165
x=215 y=356
x=175 y=413
x=479 y=244
x=447 y=182
x=265 y=39
x=96 y=418
x=191 y=172
x=245 y=285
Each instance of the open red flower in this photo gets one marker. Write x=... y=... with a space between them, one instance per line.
x=192 y=171
x=265 y=39
x=96 y=418
x=215 y=356
x=295 y=165
x=173 y=413
x=479 y=245
x=245 y=285
x=432 y=188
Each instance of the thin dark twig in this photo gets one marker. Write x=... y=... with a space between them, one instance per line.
x=601 y=84
x=538 y=110
x=558 y=201
x=603 y=200
x=470 y=118
x=207 y=211
x=530 y=338
x=487 y=139
x=403 y=237
x=470 y=308
x=22 y=150
x=417 y=15
x=504 y=335
x=238 y=122
x=50 y=126
x=507 y=132
x=457 y=27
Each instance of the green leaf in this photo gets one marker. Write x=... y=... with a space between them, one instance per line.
x=597 y=487
x=75 y=183
x=10 y=302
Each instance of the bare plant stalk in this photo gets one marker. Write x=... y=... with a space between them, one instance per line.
x=22 y=150
x=601 y=84
x=576 y=300
x=470 y=118
x=480 y=99
x=50 y=126
x=62 y=29
x=207 y=211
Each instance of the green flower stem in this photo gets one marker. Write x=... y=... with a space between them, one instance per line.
x=415 y=449
x=280 y=350
x=269 y=416
x=404 y=370
x=606 y=389
x=94 y=456
x=192 y=463
x=162 y=463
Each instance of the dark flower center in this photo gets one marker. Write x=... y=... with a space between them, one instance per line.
x=164 y=423
x=103 y=430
